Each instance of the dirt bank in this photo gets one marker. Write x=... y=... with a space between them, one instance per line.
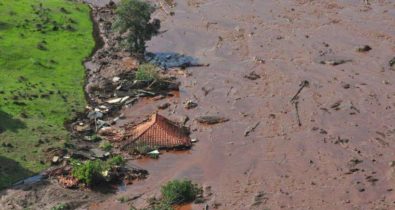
x=339 y=158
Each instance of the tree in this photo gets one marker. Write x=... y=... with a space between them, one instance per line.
x=134 y=20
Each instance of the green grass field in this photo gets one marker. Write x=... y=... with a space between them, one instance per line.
x=42 y=46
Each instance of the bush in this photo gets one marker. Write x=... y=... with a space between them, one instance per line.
x=91 y=171
x=88 y=172
x=147 y=72
x=61 y=206
x=116 y=161
x=105 y=145
x=178 y=192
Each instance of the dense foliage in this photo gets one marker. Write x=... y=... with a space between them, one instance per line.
x=134 y=21
x=147 y=72
x=178 y=192
x=94 y=171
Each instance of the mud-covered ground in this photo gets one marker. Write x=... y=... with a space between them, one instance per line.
x=340 y=157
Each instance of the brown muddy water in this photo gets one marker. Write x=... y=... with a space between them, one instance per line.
x=341 y=155
x=339 y=158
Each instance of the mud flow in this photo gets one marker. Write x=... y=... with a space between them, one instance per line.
x=339 y=157
x=309 y=108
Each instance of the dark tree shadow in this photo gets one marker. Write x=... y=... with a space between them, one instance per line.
x=11 y=172
x=8 y=122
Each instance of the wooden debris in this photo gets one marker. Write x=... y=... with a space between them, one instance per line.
x=211 y=120
x=251 y=129
x=302 y=85
x=252 y=76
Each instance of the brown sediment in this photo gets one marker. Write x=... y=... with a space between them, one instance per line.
x=281 y=165
x=341 y=157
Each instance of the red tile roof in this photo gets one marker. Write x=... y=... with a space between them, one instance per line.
x=158 y=132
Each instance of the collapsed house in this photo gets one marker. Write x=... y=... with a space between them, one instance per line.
x=156 y=133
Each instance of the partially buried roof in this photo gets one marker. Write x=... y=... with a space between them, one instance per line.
x=157 y=132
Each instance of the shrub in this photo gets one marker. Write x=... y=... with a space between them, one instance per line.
x=91 y=171
x=147 y=72
x=61 y=206
x=178 y=192
x=116 y=161
x=88 y=172
x=105 y=145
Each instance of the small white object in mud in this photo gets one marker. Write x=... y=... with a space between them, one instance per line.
x=102 y=108
x=125 y=98
x=116 y=119
x=154 y=152
x=194 y=140
x=116 y=79
x=114 y=101
x=55 y=159
x=118 y=100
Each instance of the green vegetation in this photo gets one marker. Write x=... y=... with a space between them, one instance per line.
x=179 y=192
x=175 y=193
x=134 y=20
x=147 y=72
x=116 y=161
x=61 y=207
x=42 y=46
x=92 y=172
x=89 y=172
x=105 y=145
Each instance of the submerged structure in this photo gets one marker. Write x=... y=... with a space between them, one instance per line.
x=157 y=132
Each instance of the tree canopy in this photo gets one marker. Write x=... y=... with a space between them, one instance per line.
x=134 y=20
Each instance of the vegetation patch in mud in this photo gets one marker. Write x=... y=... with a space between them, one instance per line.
x=174 y=193
x=42 y=46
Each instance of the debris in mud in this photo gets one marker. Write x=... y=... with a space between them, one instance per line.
x=251 y=129
x=168 y=60
x=259 y=198
x=82 y=127
x=207 y=91
x=364 y=48
x=296 y=103
x=252 y=76
x=334 y=62
x=258 y=60
x=336 y=105
x=158 y=97
x=112 y=134
x=189 y=104
x=346 y=86
x=157 y=132
x=211 y=120
x=302 y=85
x=68 y=182
x=164 y=105
x=392 y=62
